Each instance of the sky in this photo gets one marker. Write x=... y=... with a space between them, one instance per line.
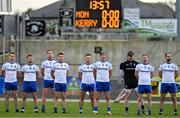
x=23 y=5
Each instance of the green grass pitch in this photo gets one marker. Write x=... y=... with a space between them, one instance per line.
x=73 y=110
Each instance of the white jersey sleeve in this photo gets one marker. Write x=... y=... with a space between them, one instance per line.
x=3 y=67
x=110 y=66
x=80 y=68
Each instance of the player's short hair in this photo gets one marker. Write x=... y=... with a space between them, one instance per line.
x=12 y=53
x=130 y=53
x=87 y=54
x=167 y=53
x=102 y=52
x=61 y=53
x=29 y=55
x=145 y=54
x=49 y=50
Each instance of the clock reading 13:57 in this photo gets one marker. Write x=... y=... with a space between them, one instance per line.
x=98 y=14
x=99 y=4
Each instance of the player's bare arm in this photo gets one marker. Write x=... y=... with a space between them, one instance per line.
x=52 y=74
x=151 y=74
x=94 y=73
x=3 y=73
x=136 y=74
x=42 y=72
x=110 y=73
x=160 y=74
x=80 y=75
x=176 y=74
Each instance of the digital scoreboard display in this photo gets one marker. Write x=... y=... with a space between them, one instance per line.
x=98 y=14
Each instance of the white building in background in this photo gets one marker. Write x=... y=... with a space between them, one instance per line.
x=5 y=7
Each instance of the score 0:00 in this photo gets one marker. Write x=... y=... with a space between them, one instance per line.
x=113 y=16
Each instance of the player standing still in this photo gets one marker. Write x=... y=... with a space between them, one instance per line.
x=59 y=73
x=168 y=71
x=10 y=71
x=102 y=72
x=30 y=72
x=144 y=73
x=48 y=82
x=85 y=74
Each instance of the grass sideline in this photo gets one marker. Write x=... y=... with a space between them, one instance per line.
x=73 y=110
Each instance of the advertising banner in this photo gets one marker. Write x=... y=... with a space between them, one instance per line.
x=1 y=85
x=73 y=85
x=131 y=18
x=158 y=26
x=35 y=27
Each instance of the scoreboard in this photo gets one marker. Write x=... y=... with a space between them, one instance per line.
x=98 y=14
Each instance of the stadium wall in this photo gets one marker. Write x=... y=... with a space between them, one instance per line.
x=74 y=51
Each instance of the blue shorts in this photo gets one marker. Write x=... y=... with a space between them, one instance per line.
x=87 y=87
x=48 y=83
x=29 y=87
x=103 y=86
x=60 y=87
x=168 y=87
x=144 y=89
x=10 y=86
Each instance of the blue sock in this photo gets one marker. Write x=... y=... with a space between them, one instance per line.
x=95 y=108
x=149 y=110
x=161 y=110
x=22 y=107
x=35 y=107
x=175 y=110
x=43 y=106
x=139 y=111
x=81 y=108
x=55 y=109
x=108 y=108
